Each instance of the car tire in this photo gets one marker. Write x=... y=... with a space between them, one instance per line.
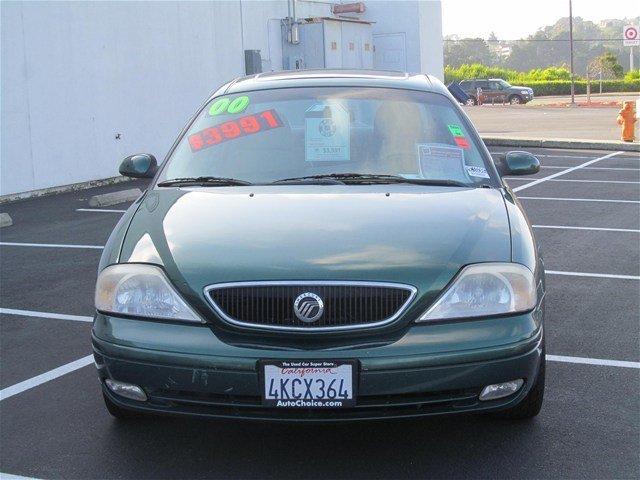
x=516 y=100
x=119 y=412
x=531 y=404
x=471 y=101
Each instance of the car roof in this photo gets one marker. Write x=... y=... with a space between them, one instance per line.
x=334 y=77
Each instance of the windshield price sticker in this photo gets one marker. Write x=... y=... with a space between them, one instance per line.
x=308 y=384
x=456 y=131
x=237 y=105
x=440 y=160
x=462 y=142
x=248 y=125
x=327 y=133
x=458 y=136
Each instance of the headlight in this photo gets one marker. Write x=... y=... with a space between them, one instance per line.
x=486 y=289
x=140 y=290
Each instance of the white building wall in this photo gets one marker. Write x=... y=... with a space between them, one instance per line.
x=431 y=51
x=421 y=24
x=77 y=74
x=261 y=26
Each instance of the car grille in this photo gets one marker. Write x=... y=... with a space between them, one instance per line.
x=270 y=305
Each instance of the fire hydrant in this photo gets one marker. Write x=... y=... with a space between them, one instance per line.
x=627 y=119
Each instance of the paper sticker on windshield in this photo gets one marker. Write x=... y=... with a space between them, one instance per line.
x=326 y=133
x=477 y=172
x=237 y=105
x=462 y=142
x=456 y=131
x=439 y=161
x=241 y=127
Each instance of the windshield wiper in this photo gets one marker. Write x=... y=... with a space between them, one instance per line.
x=203 y=181
x=374 y=178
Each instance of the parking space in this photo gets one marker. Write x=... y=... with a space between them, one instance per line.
x=56 y=425
x=31 y=346
x=583 y=214
x=563 y=188
x=603 y=251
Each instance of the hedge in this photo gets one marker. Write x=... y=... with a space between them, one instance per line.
x=481 y=71
x=563 y=87
x=548 y=81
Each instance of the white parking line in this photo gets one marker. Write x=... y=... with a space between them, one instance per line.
x=8 y=476
x=593 y=168
x=45 y=377
x=545 y=156
x=541 y=155
x=593 y=361
x=578 y=199
x=99 y=210
x=48 y=245
x=592 y=275
x=578 y=181
x=57 y=316
x=564 y=172
x=598 y=229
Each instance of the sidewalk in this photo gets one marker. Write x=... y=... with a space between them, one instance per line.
x=583 y=127
x=617 y=97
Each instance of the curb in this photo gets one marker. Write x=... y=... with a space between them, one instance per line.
x=5 y=220
x=562 y=143
x=12 y=197
x=114 y=198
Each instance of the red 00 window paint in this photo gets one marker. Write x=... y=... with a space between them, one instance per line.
x=250 y=124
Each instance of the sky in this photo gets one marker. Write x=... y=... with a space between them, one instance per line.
x=515 y=19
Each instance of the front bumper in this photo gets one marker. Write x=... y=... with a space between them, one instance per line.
x=432 y=369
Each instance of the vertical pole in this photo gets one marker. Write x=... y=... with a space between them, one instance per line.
x=588 y=87
x=573 y=91
x=631 y=58
x=600 y=81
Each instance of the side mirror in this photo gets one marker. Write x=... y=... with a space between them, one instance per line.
x=518 y=163
x=140 y=165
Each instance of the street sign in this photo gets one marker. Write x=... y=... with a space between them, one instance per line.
x=630 y=36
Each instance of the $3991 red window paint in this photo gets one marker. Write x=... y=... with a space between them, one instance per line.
x=247 y=125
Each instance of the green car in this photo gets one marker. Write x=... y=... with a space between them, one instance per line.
x=323 y=245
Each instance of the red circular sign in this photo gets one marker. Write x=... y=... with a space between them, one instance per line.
x=631 y=33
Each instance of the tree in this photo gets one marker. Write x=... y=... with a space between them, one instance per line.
x=606 y=64
x=549 y=46
x=468 y=51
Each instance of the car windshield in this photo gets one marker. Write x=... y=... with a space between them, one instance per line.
x=504 y=84
x=283 y=134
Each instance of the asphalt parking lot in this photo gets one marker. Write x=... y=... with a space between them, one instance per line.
x=585 y=209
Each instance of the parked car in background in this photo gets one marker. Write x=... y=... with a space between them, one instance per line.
x=496 y=90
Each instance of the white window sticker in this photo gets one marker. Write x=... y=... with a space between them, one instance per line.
x=327 y=136
x=438 y=161
x=477 y=172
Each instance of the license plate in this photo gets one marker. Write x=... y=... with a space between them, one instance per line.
x=308 y=384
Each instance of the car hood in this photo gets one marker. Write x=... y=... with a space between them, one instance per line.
x=393 y=233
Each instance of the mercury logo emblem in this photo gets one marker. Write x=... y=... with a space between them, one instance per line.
x=308 y=307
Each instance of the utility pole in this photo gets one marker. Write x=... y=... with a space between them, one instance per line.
x=573 y=91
